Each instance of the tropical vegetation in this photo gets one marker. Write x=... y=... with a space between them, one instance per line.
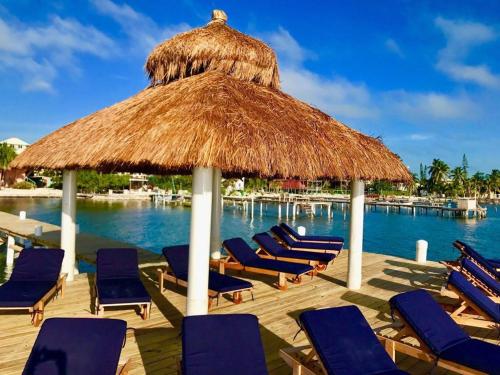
x=7 y=154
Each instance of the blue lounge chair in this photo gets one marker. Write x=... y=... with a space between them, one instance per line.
x=490 y=266
x=35 y=279
x=442 y=340
x=297 y=237
x=243 y=257
x=487 y=312
x=291 y=244
x=118 y=282
x=343 y=343
x=478 y=277
x=177 y=272
x=270 y=248
x=78 y=346
x=230 y=344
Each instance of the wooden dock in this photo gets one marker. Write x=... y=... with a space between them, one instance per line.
x=86 y=244
x=154 y=345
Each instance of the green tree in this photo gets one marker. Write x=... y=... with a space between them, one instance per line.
x=477 y=183
x=438 y=172
x=459 y=179
x=7 y=154
x=465 y=166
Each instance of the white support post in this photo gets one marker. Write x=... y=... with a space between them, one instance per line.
x=215 y=243
x=9 y=259
x=279 y=210
x=199 y=241
x=68 y=216
x=354 y=273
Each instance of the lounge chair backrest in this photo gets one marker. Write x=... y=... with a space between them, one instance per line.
x=177 y=258
x=471 y=253
x=284 y=236
x=479 y=274
x=485 y=303
x=230 y=343
x=77 y=346
x=240 y=250
x=38 y=265
x=117 y=264
x=268 y=243
x=345 y=342
x=428 y=319
x=290 y=230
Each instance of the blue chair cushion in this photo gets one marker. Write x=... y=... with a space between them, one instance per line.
x=23 y=293
x=475 y=295
x=275 y=249
x=476 y=354
x=38 y=265
x=178 y=259
x=117 y=264
x=229 y=344
x=296 y=235
x=118 y=291
x=345 y=342
x=480 y=275
x=431 y=323
x=285 y=237
x=77 y=346
x=238 y=248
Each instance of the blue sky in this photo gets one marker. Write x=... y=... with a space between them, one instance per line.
x=423 y=75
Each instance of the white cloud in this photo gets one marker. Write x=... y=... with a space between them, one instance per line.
x=288 y=49
x=419 y=137
x=338 y=96
x=393 y=47
x=39 y=53
x=415 y=107
x=143 y=32
x=461 y=38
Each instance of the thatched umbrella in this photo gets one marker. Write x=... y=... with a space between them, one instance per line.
x=213 y=105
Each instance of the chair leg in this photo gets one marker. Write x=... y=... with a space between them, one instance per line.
x=160 y=280
x=237 y=298
x=282 y=282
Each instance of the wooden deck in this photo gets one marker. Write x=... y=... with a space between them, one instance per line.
x=154 y=345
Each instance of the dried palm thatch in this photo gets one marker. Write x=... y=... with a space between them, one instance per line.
x=214 y=47
x=215 y=119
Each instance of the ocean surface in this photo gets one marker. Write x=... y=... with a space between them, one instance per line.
x=153 y=227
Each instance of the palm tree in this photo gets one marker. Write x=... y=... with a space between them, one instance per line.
x=459 y=179
x=438 y=174
x=7 y=154
x=477 y=182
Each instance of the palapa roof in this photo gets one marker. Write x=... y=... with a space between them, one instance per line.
x=214 y=102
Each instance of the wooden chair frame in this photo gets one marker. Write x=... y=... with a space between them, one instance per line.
x=166 y=274
x=125 y=368
x=303 y=364
x=455 y=266
x=480 y=319
x=463 y=254
x=144 y=307
x=230 y=262
x=37 y=310
x=422 y=352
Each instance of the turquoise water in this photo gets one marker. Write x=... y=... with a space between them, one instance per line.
x=151 y=227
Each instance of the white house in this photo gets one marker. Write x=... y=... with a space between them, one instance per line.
x=18 y=144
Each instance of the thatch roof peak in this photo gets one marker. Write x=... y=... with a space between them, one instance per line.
x=214 y=47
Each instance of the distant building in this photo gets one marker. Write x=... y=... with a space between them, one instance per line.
x=18 y=144
x=15 y=175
